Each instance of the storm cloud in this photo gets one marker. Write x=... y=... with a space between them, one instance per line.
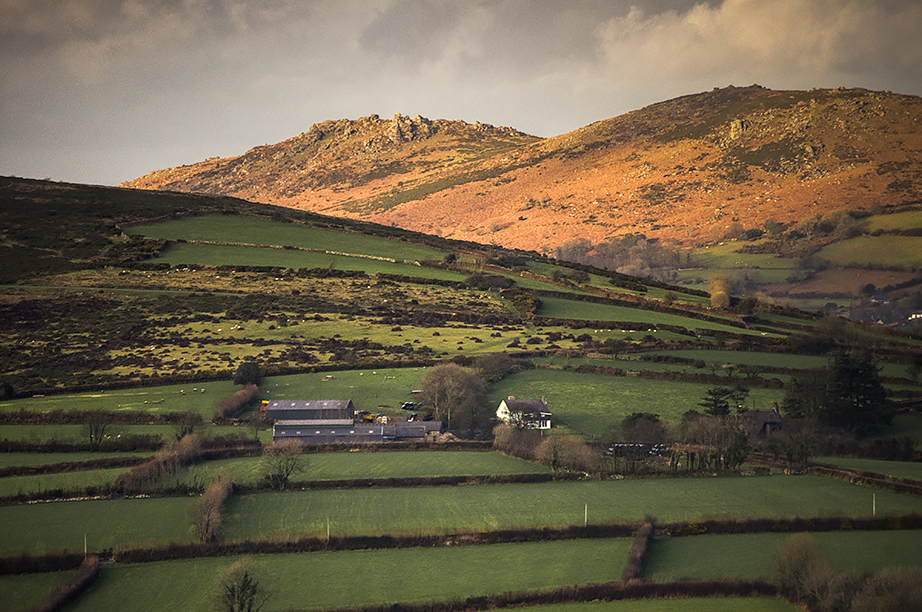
x=102 y=91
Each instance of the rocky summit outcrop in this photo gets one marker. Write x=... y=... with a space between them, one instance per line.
x=687 y=169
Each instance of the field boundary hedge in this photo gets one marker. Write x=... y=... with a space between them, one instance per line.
x=117 y=489
x=695 y=377
x=639 y=550
x=127 y=444
x=792 y=525
x=82 y=417
x=409 y=482
x=343 y=543
x=873 y=479
x=28 y=563
x=71 y=466
x=60 y=597
x=608 y=591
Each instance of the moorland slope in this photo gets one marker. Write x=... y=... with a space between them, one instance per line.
x=692 y=169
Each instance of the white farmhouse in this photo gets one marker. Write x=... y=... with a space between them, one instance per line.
x=526 y=414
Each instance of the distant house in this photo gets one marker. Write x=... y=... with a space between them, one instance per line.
x=762 y=423
x=528 y=414
x=336 y=421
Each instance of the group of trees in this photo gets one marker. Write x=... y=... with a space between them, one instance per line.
x=848 y=394
x=630 y=254
x=560 y=452
x=717 y=401
x=803 y=574
x=457 y=396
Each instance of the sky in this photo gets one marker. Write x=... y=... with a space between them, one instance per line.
x=104 y=91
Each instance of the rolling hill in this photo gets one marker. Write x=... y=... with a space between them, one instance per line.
x=695 y=169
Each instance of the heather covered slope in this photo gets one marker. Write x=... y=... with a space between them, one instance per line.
x=691 y=169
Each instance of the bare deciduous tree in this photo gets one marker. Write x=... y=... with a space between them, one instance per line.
x=208 y=507
x=454 y=394
x=241 y=588
x=281 y=460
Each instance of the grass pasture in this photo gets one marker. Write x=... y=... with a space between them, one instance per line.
x=691 y=604
x=904 y=220
x=725 y=256
x=248 y=230
x=780 y=360
x=21 y=459
x=202 y=398
x=106 y=523
x=903 y=251
x=22 y=592
x=355 y=578
x=218 y=255
x=911 y=470
x=490 y=507
x=380 y=390
x=751 y=555
x=569 y=309
x=391 y=464
x=70 y=481
x=604 y=401
x=77 y=433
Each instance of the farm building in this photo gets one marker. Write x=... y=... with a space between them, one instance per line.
x=528 y=414
x=313 y=412
x=335 y=421
x=762 y=423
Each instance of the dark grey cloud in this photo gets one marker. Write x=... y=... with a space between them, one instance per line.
x=106 y=90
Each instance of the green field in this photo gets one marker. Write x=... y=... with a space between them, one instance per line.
x=479 y=508
x=903 y=220
x=20 y=459
x=218 y=255
x=77 y=433
x=695 y=604
x=569 y=309
x=354 y=578
x=709 y=557
x=904 y=251
x=71 y=481
x=911 y=470
x=249 y=230
x=380 y=390
x=389 y=464
x=201 y=397
x=725 y=256
x=778 y=360
x=591 y=403
x=21 y=592
x=54 y=526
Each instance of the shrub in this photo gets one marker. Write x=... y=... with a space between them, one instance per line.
x=209 y=506
x=167 y=461
x=85 y=576
x=639 y=550
x=281 y=460
x=229 y=406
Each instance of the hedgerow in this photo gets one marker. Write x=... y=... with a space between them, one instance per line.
x=85 y=576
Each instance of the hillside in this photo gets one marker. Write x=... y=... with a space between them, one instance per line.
x=140 y=331
x=694 y=169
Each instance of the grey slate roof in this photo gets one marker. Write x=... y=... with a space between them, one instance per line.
x=332 y=412
x=534 y=407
